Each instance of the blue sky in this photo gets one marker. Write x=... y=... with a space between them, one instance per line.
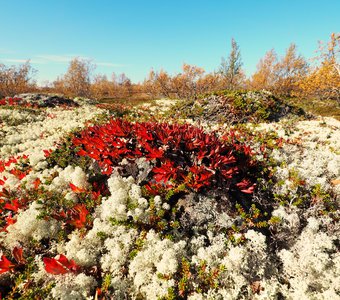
x=135 y=36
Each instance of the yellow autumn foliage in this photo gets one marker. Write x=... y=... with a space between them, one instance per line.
x=323 y=82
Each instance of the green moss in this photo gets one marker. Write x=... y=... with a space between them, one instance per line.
x=325 y=108
x=66 y=155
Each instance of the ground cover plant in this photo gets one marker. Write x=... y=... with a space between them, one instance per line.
x=120 y=202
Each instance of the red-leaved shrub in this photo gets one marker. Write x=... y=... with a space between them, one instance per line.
x=180 y=154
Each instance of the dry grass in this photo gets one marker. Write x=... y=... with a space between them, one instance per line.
x=324 y=108
x=130 y=102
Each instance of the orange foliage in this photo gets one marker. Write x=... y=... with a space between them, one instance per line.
x=186 y=85
x=280 y=76
x=77 y=80
x=323 y=81
x=264 y=77
x=16 y=80
x=289 y=70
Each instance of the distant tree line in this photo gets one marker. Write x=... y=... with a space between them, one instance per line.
x=287 y=76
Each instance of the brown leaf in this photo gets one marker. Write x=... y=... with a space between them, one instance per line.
x=256 y=287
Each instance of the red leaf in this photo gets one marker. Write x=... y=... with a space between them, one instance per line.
x=165 y=172
x=152 y=152
x=36 y=183
x=4 y=193
x=246 y=186
x=76 y=189
x=52 y=266
x=81 y=152
x=11 y=161
x=9 y=221
x=201 y=177
x=69 y=264
x=98 y=292
x=60 y=266
x=47 y=153
x=17 y=254
x=153 y=189
x=144 y=133
x=279 y=142
x=59 y=215
x=78 y=215
x=14 y=206
x=5 y=264
x=230 y=172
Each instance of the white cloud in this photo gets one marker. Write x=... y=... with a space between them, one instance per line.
x=14 y=60
x=5 y=51
x=68 y=57
x=59 y=58
x=108 y=64
x=21 y=60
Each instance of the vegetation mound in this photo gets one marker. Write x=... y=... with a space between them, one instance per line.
x=236 y=107
x=38 y=100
